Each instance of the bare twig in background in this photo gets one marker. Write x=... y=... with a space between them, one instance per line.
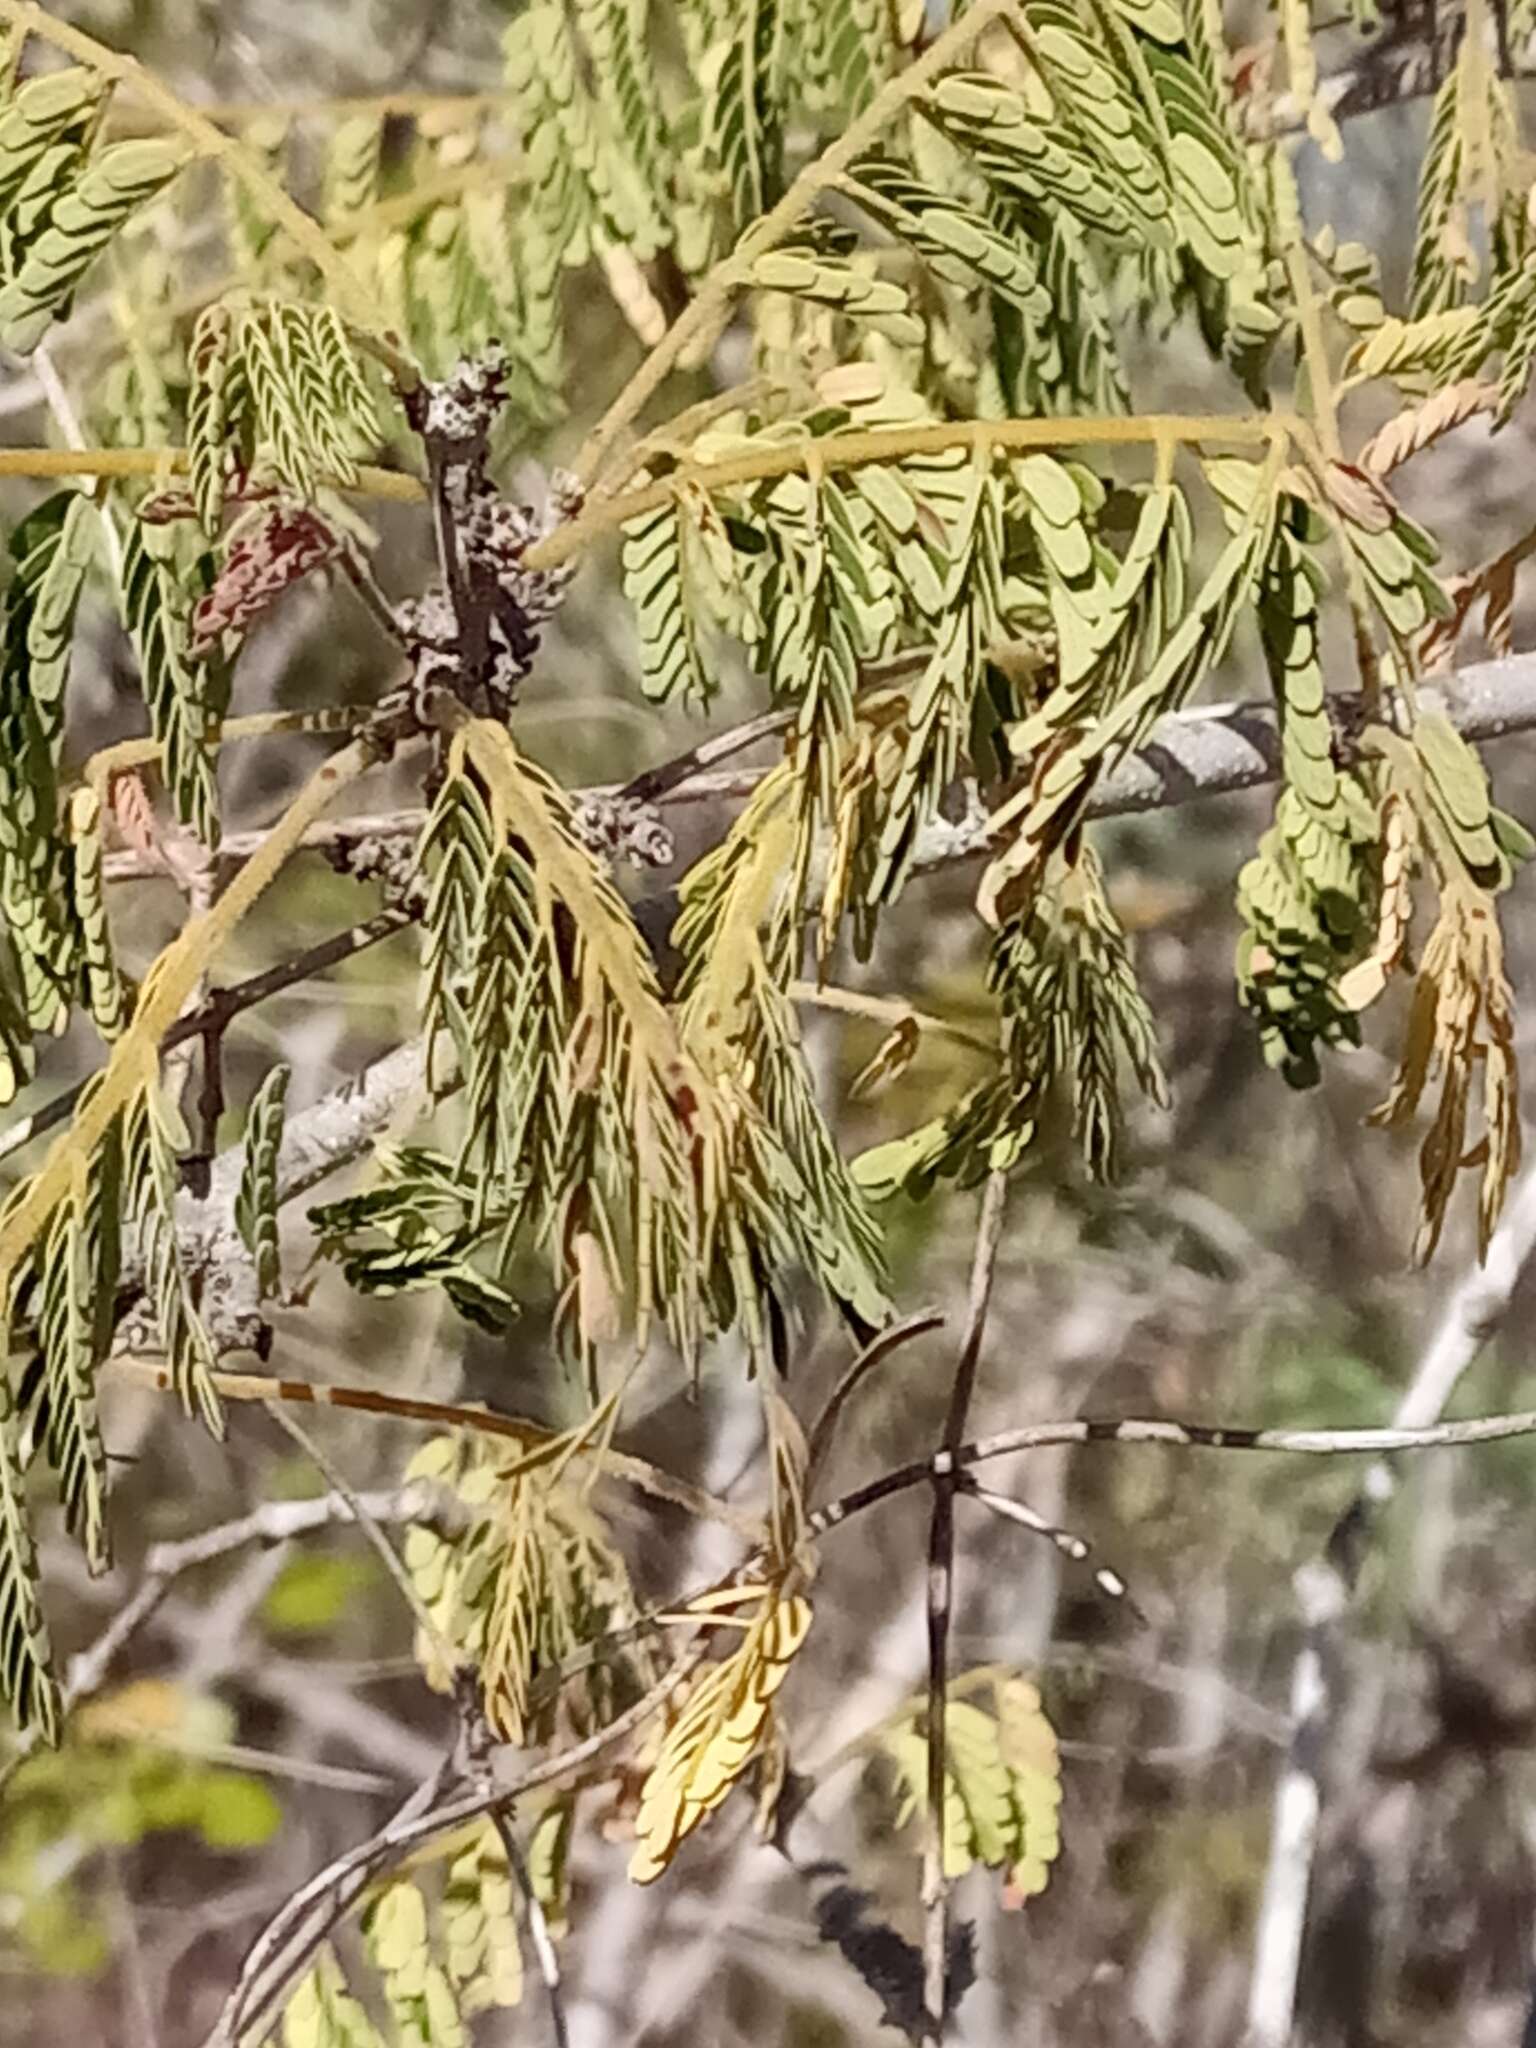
x=221 y=1006
x=941 y=1579
x=1076 y=1549
x=380 y=1544
x=272 y=1522
x=1325 y=1587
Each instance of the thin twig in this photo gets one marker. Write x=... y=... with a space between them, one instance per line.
x=1188 y=1436
x=887 y=1010
x=370 y=481
x=858 y=449
x=1214 y=751
x=1077 y=1549
x=943 y=1469
x=538 y=1925
x=423 y=1616
x=875 y=1352
x=292 y=1935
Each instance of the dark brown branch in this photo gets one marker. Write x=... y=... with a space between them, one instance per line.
x=221 y=1006
x=944 y=1473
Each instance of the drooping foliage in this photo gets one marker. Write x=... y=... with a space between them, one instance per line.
x=967 y=562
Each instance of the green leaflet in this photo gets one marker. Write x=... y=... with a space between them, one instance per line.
x=54 y=548
x=1458 y=786
x=1092 y=378
x=848 y=288
x=1070 y=1011
x=1110 y=629
x=572 y=1063
x=516 y=1026
x=1214 y=203
x=77 y=1270
x=474 y=1929
x=1395 y=564
x=420 y=1998
x=252 y=231
x=105 y=994
x=965 y=246
x=151 y=1179
x=1099 y=88
x=828 y=602
x=615 y=35
x=579 y=158
x=114 y=184
x=351 y=179
x=1163 y=20
x=1047 y=809
x=1471 y=157
x=856 y=48
x=309 y=401
x=530 y=1577
x=1002 y=1784
x=1289 y=626
x=210 y=400
x=457 y=849
x=540 y=340
x=494 y=982
x=743 y=117
x=256 y=1202
x=36 y=120
x=26 y=1653
x=941 y=700
x=277 y=386
x=738 y=931
x=671 y=661
x=557 y=127
x=1020 y=155
x=415 y=1230
x=184 y=703
x=549 y=1855
x=1307 y=902
x=1355 y=281
x=484 y=1961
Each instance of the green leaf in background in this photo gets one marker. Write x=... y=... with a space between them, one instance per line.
x=312 y=1593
